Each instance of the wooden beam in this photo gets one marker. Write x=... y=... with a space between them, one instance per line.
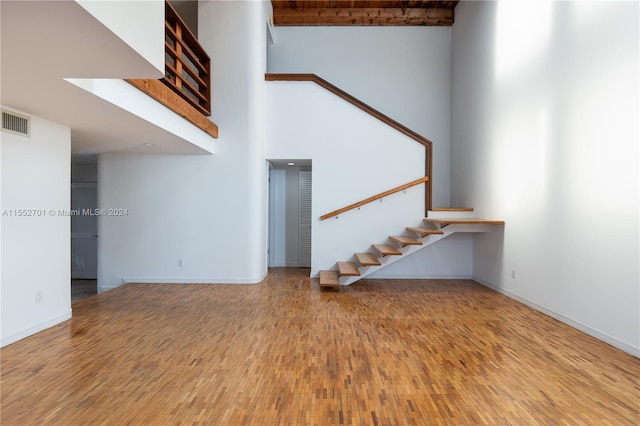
x=357 y=16
x=167 y=97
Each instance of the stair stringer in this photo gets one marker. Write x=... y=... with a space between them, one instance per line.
x=427 y=241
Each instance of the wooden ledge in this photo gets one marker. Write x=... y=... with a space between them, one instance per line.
x=167 y=97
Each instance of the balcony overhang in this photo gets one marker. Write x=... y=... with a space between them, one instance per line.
x=46 y=45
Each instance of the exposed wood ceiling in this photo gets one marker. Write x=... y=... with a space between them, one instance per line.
x=363 y=12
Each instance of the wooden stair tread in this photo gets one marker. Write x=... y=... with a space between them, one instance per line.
x=387 y=250
x=463 y=221
x=367 y=259
x=329 y=279
x=348 y=269
x=406 y=241
x=424 y=231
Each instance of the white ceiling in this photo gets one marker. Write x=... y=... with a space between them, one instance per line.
x=281 y=164
x=43 y=42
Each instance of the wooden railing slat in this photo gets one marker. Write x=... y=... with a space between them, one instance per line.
x=374 y=198
x=188 y=57
x=193 y=57
x=187 y=68
x=195 y=91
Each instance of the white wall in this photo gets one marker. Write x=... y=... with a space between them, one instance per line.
x=404 y=72
x=354 y=157
x=139 y=23
x=35 y=249
x=545 y=136
x=209 y=210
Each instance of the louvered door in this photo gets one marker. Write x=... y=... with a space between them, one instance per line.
x=304 y=215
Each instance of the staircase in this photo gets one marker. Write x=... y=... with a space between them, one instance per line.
x=439 y=224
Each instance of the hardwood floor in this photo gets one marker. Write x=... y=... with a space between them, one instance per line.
x=379 y=352
x=81 y=289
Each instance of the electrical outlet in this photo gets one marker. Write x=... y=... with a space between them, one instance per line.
x=39 y=296
x=181 y=262
x=513 y=274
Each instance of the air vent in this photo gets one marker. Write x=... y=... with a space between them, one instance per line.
x=16 y=124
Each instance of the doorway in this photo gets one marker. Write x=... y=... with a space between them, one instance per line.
x=290 y=205
x=84 y=227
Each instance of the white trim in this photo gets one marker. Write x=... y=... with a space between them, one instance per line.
x=7 y=340
x=419 y=277
x=143 y=280
x=411 y=277
x=613 y=341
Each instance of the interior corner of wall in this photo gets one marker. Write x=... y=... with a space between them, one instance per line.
x=271 y=36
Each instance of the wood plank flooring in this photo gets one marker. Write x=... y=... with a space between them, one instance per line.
x=379 y=352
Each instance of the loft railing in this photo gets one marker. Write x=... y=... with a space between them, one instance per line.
x=375 y=197
x=187 y=65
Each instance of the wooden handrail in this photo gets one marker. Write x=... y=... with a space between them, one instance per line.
x=188 y=76
x=377 y=114
x=375 y=197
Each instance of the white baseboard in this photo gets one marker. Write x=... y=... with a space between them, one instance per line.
x=7 y=340
x=147 y=280
x=613 y=341
x=409 y=277
x=375 y=276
